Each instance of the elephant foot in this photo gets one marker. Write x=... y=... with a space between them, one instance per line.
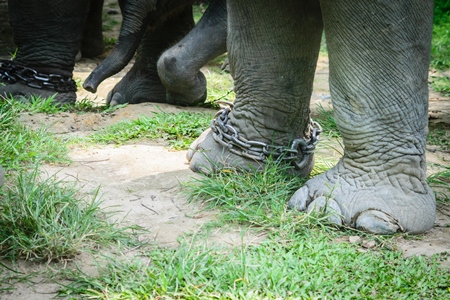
x=371 y=200
x=23 y=92
x=207 y=156
x=137 y=88
x=184 y=86
x=222 y=147
x=187 y=93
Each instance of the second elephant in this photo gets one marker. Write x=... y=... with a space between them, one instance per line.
x=160 y=74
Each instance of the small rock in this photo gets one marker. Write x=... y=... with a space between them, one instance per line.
x=369 y=244
x=354 y=239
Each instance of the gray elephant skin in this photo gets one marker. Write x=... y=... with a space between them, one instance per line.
x=160 y=74
x=379 y=56
x=48 y=43
x=48 y=36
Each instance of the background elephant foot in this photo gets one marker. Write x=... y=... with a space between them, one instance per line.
x=137 y=87
x=367 y=201
x=187 y=93
x=23 y=92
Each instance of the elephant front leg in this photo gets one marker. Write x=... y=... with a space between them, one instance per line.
x=179 y=66
x=379 y=57
x=48 y=36
x=272 y=50
x=142 y=82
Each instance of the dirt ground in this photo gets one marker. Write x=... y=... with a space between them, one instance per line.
x=142 y=180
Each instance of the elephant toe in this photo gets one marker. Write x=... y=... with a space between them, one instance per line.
x=329 y=207
x=196 y=144
x=115 y=98
x=300 y=199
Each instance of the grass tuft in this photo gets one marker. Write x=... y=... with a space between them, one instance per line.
x=327 y=121
x=440 y=183
x=439 y=137
x=22 y=146
x=179 y=130
x=308 y=266
x=252 y=198
x=45 y=219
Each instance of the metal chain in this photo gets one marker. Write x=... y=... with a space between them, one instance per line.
x=296 y=154
x=13 y=73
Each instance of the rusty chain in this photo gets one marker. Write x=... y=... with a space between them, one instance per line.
x=13 y=73
x=296 y=154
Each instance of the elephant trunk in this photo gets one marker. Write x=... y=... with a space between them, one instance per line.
x=135 y=15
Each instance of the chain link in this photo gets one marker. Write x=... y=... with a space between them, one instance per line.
x=296 y=154
x=13 y=73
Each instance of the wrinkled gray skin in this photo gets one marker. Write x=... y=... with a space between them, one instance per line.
x=6 y=41
x=52 y=49
x=174 y=77
x=379 y=57
x=49 y=34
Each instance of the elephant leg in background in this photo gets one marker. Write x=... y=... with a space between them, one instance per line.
x=273 y=51
x=48 y=37
x=6 y=41
x=92 y=44
x=142 y=83
x=379 y=58
x=179 y=66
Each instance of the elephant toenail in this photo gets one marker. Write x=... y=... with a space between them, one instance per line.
x=378 y=222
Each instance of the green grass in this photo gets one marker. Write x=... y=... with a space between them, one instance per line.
x=22 y=146
x=327 y=121
x=307 y=266
x=298 y=259
x=440 y=45
x=441 y=84
x=248 y=197
x=198 y=10
x=439 y=137
x=47 y=219
x=41 y=218
x=440 y=183
x=178 y=130
x=109 y=23
x=220 y=83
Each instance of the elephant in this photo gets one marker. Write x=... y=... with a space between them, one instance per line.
x=378 y=59
x=6 y=43
x=49 y=34
x=160 y=74
x=164 y=23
